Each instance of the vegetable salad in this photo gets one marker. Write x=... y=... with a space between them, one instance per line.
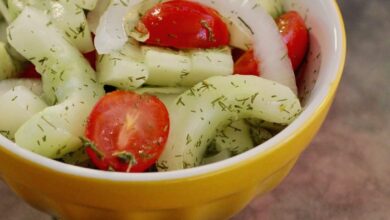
x=147 y=85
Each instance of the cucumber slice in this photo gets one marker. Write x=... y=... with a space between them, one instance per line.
x=162 y=90
x=68 y=82
x=4 y=12
x=273 y=7
x=223 y=155
x=18 y=105
x=79 y=157
x=207 y=63
x=7 y=67
x=65 y=15
x=86 y=4
x=236 y=138
x=212 y=104
x=186 y=68
x=260 y=135
x=229 y=141
x=123 y=69
x=166 y=67
x=34 y=85
x=3 y=32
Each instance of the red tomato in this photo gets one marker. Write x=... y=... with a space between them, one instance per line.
x=30 y=72
x=184 y=24
x=127 y=131
x=247 y=64
x=295 y=36
x=91 y=57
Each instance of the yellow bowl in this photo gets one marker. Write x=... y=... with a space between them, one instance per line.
x=215 y=191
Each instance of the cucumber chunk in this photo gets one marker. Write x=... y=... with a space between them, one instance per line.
x=236 y=138
x=86 y=4
x=186 y=68
x=68 y=82
x=65 y=14
x=273 y=7
x=166 y=67
x=17 y=106
x=212 y=104
x=123 y=69
x=35 y=85
x=207 y=63
x=7 y=67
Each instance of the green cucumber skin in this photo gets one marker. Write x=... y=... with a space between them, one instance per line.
x=69 y=84
x=7 y=67
x=211 y=104
x=19 y=104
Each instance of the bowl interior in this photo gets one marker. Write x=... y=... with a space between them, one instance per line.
x=320 y=72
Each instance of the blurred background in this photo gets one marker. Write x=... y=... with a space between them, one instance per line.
x=345 y=173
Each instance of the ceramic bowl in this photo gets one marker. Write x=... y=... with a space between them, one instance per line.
x=215 y=191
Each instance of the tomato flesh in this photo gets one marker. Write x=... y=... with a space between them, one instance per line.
x=247 y=64
x=128 y=131
x=295 y=36
x=91 y=57
x=183 y=25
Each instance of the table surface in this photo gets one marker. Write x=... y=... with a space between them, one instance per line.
x=345 y=173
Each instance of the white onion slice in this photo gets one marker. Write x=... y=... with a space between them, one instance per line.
x=110 y=34
x=94 y=16
x=268 y=43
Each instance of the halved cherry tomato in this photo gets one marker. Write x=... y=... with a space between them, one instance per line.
x=126 y=131
x=295 y=36
x=184 y=24
x=247 y=64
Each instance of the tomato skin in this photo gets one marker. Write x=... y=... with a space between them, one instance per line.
x=183 y=25
x=295 y=36
x=128 y=131
x=247 y=64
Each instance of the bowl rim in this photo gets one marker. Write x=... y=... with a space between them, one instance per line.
x=311 y=112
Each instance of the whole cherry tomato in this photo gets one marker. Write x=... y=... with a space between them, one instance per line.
x=184 y=24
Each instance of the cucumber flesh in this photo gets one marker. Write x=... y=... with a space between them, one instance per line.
x=166 y=67
x=34 y=85
x=223 y=155
x=7 y=67
x=65 y=15
x=185 y=68
x=236 y=138
x=273 y=7
x=123 y=69
x=211 y=104
x=207 y=63
x=18 y=105
x=86 y=4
